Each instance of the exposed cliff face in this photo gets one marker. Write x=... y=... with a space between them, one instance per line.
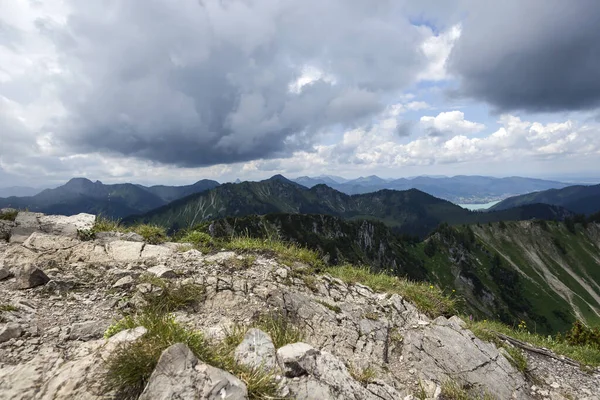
x=360 y=242
x=52 y=346
x=538 y=271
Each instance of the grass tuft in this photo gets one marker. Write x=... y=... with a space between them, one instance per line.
x=332 y=307
x=286 y=252
x=196 y=238
x=451 y=390
x=9 y=215
x=152 y=234
x=364 y=376
x=428 y=298
x=172 y=296
x=104 y=224
x=282 y=329
x=7 y=308
x=130 y=366
x=517 y=358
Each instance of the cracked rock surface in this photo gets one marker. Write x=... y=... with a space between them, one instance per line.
x=52 y=344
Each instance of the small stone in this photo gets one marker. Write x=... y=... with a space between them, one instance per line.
x=282 y=273
x=30 y=277
x=412 y=371
x=162 y=271
x=10 y=331
x=123 y=283
x=555 y=385
x=289 y=357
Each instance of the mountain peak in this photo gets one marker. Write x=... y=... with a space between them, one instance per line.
x=79 y=181
x=280 y=178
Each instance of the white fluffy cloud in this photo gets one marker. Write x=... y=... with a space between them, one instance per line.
x=448 y=123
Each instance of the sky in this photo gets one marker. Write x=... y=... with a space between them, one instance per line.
x=173 y=91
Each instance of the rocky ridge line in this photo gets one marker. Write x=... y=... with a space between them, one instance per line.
x=66 y=292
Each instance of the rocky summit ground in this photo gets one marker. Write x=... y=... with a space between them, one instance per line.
x=59 y=295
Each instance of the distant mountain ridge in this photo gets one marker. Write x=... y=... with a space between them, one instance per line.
x=578 y=199
x=460 y=189
x=18 y=191
x=410 y=211
x=116 y=201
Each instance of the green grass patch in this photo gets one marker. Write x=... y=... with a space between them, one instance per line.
x=517 y=358
x=585 y=354
x=152 y=234
x=285 y=252
x=196 y=238
x=428 y=298
x=7 y=308
x=103 y=224
x=172 y=296
x=364 y=376
x=452 y=390
x=282 y=329
x=9 y=215
x=332 y=307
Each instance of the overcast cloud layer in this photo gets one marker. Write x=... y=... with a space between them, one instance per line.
x=172 y=91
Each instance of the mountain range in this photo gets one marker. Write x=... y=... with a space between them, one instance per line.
x=410 y=211
x=459 y=189
x=116 y=201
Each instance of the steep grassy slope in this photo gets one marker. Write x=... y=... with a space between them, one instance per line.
x=412 y=211
x=359 y=242
x=537 y=271
x=579 y=199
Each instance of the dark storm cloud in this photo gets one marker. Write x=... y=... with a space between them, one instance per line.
x=198 y=83
x=535 y=55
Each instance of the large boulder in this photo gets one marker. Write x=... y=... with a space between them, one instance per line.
x=180 y=375
x=5 y=228
x=10 y=331
x=88 y=330
x=257 y=350
x=25 y=224
x=30 y=277
x=4 y=272
x=445 y=349
x=48 y=376
x=320 y=375
x=44 y=242
x=122 y=250
x=66 y=226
